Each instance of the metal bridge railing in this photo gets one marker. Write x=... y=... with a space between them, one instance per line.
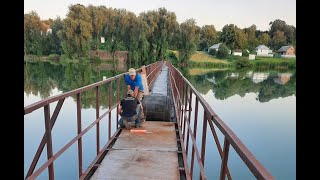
x=182 y=94
x=151 y=72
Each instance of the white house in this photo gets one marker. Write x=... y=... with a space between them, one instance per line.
x=215 y=47
x=237 y=52
x=263 y=50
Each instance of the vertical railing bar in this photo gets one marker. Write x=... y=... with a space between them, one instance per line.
x=110 y=102
x=194 y=133
x=184 y=102
x=97 y=116
x=224 y=159
x=185 y=108
x=189 y=117
x=79 y=131
x=218 y=145
x=49 y=139
x=181 y=99
x=44 y=140
x=204 y=137
x=118 y=99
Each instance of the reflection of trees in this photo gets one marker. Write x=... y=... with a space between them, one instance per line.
x=270 y=90
x=231 y=87
x=224 y=86
x=41 y=77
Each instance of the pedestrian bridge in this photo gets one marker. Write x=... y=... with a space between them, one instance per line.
x=165 y=147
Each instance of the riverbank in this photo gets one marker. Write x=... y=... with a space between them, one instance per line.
x=204 y=60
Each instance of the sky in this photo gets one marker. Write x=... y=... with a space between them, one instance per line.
x=219 y=13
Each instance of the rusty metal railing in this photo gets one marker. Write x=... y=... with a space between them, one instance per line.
x=151 y=71
x=182 y=94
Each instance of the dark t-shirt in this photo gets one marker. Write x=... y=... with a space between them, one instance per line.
x=129 y=105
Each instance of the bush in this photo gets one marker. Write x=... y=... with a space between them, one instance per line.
x=171 y=56
x=245 y=53
x=223 y=51
x=212 y=52
x=243 y=62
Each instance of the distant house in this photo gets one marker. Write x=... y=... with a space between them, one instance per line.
x=263 y=50
x=287 y=51
x=215 y=47
x=237 y=52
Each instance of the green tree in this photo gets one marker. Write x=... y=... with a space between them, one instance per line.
x=223 y=51
x=252 y=39
x=98 y=15
x=187 y=40
x=288 y=30
x=208 y=36
x=52 y=41
x=33 y=33
x=265 y=39
x=77 y=32
x=151 y=18
x=241 y=40
x=278 y=40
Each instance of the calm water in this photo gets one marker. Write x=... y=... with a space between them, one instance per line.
x=259 y=106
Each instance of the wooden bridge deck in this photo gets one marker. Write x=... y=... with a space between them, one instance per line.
x=151 y=155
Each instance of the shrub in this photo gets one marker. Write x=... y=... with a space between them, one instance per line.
x=212 y=52
x=245 y=53
x=243 y=62
x=223 y=51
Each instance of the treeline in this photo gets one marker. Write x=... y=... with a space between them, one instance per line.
x=146 y=37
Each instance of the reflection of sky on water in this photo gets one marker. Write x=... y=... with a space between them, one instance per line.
x=64 y=130
x=267 y=129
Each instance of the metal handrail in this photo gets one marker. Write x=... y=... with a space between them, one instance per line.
x=182 y=96
x=151 y=71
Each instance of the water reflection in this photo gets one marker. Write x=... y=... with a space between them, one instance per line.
x=267 y=85
x=41 y=78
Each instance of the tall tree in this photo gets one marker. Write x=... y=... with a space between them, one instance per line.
x=52 y=41
x=233 y=37
x=151 y=18
x=77 y=32
x=98 y=20
x=265 y=39
x=33 y=31
x=278 y=40
x=252 y=39
x=188 y=38
x=208 y=36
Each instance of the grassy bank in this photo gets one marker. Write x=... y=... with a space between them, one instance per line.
x=204 y=60
x=274 y=63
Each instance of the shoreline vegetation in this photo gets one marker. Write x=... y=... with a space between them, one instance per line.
x=199 y=59
x=203 y=60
